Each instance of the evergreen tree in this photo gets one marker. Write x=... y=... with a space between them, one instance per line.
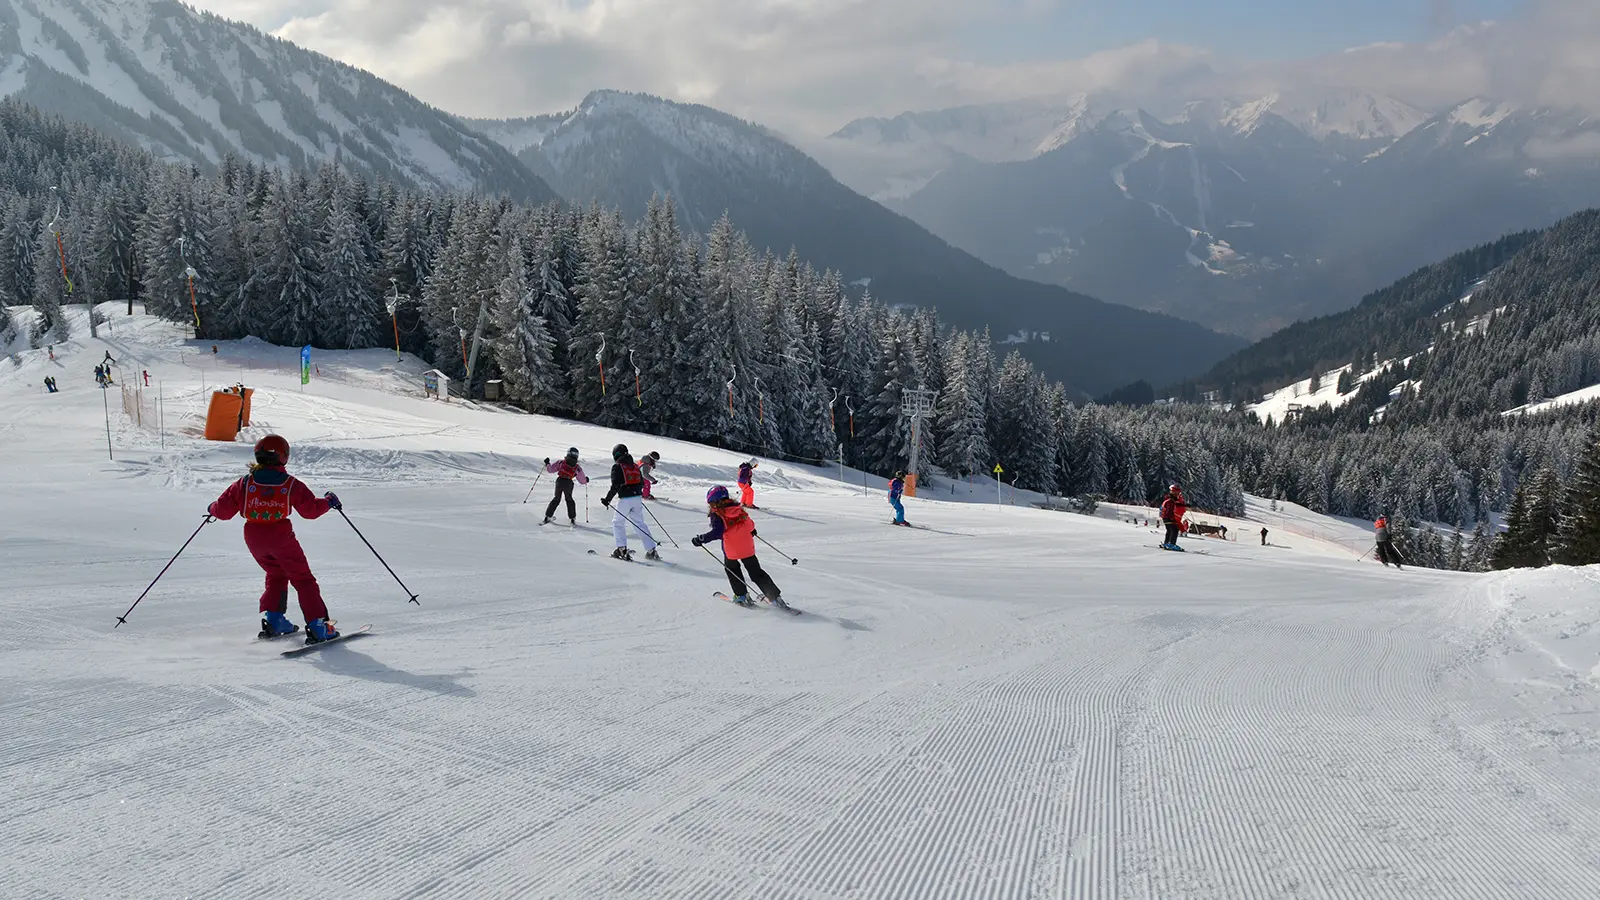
x=524 y=348
x=349 y=309
x=1578 y=543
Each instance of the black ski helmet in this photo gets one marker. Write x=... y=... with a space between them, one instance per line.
x=572 y=453
x=619 y=451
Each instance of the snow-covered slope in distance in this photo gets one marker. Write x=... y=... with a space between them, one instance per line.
x=193 y=86
x=1103 y=720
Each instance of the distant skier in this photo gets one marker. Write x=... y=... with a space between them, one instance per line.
x=1173 y=510
x=566 y=471
x=146 y=377
x=266 y=497
x=647 y=465
x=897 y=489
x=109 y=362
x=100 y=375
x=747 y=488
x=627 y=486
x=1263 y=537
x=1386 y=552
x=731 y=525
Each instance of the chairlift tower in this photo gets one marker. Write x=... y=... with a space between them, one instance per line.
x=916 y=403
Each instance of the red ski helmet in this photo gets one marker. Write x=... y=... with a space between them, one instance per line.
x=274 y=446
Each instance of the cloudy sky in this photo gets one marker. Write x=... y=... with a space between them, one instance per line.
x=808 y=66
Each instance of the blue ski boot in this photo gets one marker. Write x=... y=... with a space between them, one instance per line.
x=276 y=624
x=744 y=600
x=319 y=630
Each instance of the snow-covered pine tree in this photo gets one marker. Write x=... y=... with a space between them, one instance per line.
x=603 y=306
x=349 y=310
x=719 y=341
x=962 y=412
x=1578 y=542
x=111 y=248
x=524 y=347
x=284 y=305
x=887 y=435
x=1093 y=465
x=49 y=292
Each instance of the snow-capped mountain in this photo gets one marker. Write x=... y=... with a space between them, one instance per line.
x=1247 y=215
x=621 y=149
x=189 y=85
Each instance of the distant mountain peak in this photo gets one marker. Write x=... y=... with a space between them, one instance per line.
x=194 y=86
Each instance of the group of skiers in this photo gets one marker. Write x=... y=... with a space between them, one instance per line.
x=267 y=495
x=631 y=482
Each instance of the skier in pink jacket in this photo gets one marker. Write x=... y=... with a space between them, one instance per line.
x=566 y=471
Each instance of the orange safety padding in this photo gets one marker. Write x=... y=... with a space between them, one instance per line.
x=911 y=485
x=222 y=419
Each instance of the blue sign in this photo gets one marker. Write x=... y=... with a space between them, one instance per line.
x=305 y=364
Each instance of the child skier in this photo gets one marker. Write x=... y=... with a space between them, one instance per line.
x=747 y=488
x=1386 y=552
x=566 y=471
x=266 y=496
x=731 y=525
x=1173 y=510
x=647 y=465
x=897 y=489
x=627 y=486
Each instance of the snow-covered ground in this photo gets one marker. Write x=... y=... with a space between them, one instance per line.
x=1011 y=703
x=1571 y=398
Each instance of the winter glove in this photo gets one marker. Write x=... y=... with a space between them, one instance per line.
x=333 y=500
x=606 y=502
x=696 y=541
x=755 y=533
x=547 y=460
x=211 y=510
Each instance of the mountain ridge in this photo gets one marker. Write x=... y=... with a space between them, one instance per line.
x=192 y=85
x=636 y=146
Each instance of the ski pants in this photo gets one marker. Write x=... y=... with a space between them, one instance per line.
x=1172 y=533
x=278 y=553
x=563 y=490
x=757 y=574
x=899 y=509
x=1387 y=554
x=626 y=511
x=747 y=495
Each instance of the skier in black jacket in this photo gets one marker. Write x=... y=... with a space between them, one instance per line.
x=627 y=487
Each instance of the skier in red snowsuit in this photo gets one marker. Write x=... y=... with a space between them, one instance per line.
x=265 y=497
x=1173 y=509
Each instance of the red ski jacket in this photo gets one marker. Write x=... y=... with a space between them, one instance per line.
x=266 y=496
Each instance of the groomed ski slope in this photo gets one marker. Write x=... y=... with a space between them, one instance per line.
x=1013 y=703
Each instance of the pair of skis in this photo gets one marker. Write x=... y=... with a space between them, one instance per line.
x=760 y=602
x=363 y=631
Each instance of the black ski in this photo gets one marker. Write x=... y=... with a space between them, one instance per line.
x=363 y=631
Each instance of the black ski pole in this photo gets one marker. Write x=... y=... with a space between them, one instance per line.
x=792 y=560
x=664 y=531
x=379 y=556
x=635 y=525
x=123 y=619
x=532 y=489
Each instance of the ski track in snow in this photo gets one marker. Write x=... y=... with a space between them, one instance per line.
x=1018 y=704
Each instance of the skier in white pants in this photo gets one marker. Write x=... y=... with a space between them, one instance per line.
x=627 y=488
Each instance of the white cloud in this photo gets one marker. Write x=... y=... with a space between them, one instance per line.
x=807 y=66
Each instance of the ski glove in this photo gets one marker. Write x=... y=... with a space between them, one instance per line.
x=333 y=500
x=547 y=460
x=696 y=541
x=606 y=502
